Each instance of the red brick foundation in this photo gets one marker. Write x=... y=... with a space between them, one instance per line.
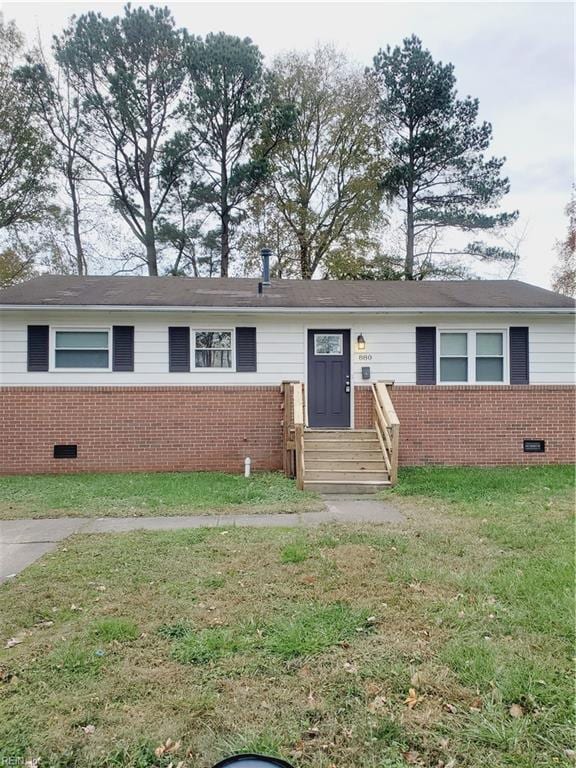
x=118 y=429
x=479 y=425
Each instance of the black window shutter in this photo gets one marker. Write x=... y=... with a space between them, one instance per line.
x=425 y=355
x=519 y=356
x=178 y=349
x=38 y=347
x=123 y=348
x=246 y=349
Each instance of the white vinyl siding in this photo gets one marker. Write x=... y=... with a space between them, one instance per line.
x=390 y=350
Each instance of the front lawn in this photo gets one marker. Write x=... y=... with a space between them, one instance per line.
x=146 y=494
x=443 y=642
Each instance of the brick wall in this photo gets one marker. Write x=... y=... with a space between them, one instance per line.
x=140 y=428
x=215 y=428
x=479 y=425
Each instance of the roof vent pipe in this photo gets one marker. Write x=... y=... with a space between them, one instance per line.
x=266 y=253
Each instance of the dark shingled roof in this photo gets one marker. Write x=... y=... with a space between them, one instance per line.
x=67 y=290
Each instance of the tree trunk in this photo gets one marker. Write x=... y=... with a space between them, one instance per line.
x=225 y=244
x=409 y=260
x=305 y=265
x=224 y=209
x=81 y=266
x=151 y=257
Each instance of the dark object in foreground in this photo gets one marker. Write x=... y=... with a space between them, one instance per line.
x=252 y=761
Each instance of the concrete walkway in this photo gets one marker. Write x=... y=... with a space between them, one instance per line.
x=24 y=541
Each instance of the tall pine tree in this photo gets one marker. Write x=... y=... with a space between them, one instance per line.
x=438 y=169
x=232 y=127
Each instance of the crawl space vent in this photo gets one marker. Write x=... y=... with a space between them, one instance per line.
x=534 y=446
x=65 y=451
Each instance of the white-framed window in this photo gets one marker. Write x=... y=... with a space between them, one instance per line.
x=212 y=349
x=453 y=357
x=489 y=356
x=472 y=357
x=81 y=349
x=328 y=344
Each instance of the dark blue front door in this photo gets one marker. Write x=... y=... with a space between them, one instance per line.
x=329 y=378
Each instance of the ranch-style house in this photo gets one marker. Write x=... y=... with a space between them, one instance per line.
x=335 y=382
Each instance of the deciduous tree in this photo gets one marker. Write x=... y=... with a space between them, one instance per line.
x=564 y=275
x=324 y=175
x=25 y=152
x=57 y=105
x=128 y=71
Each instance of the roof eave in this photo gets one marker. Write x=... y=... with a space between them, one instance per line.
x=285 y=310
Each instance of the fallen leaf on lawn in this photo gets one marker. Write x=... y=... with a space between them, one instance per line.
x=167 y=748
x=44 y=624
x=377 y=705
x=411 y=757
x=417 y=680
x=516 y=710
x=88 y=729
x=412 y=698
x=350 y=667
x=372 y=689
x=16 y=640
x=476 y=705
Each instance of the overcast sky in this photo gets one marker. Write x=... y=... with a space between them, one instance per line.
x=517 y=58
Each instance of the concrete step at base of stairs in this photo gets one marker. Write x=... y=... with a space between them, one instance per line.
x=345 y=486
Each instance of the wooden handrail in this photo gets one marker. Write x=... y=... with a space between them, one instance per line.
x=298 y=400
x=387 y=428
x=294 y=426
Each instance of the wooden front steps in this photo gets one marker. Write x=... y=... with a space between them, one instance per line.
x=344 y=461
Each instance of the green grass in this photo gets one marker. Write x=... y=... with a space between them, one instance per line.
x=141 y=494
x=295 y=552
x=313 y=629
x=305 y=644
x=478 y=485
x=115 y=629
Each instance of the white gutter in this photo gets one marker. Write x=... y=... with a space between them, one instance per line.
x=288 y=310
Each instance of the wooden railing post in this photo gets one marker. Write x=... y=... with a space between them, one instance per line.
x=395 y=437
x=299 y=440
